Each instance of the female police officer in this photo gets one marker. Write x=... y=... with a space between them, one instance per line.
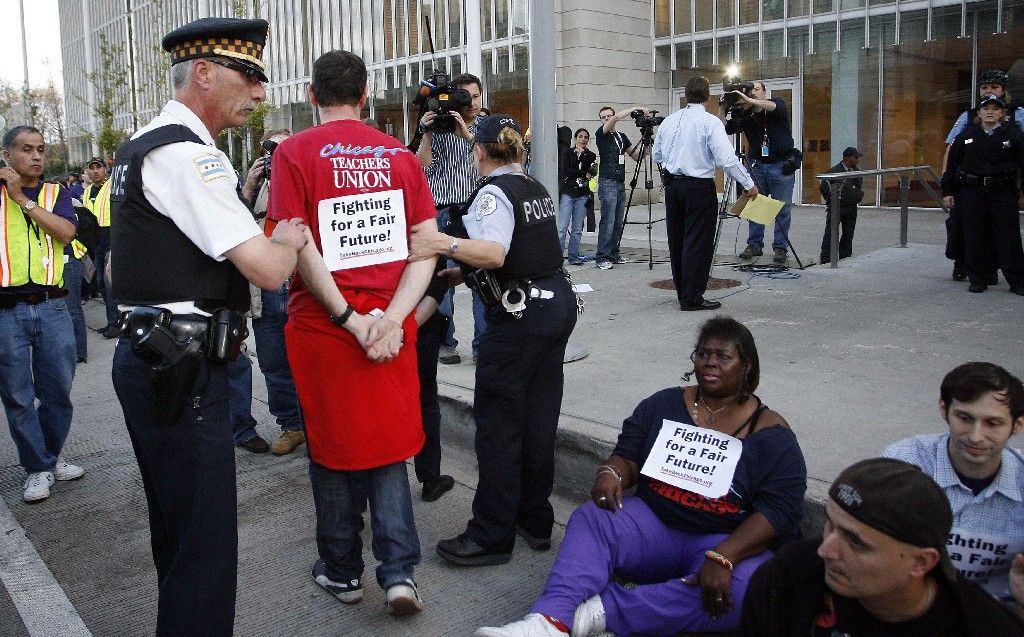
x=982 y=179
x=506 y=240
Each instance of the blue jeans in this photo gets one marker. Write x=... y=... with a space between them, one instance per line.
x=37 y=360
x=243 y=425
x=571 y=213
x=770 y=181
x=338 y=497
x=73 y=272
x=612 y=195
x=273 y=359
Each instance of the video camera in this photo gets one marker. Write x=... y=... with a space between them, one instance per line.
x=437 y=94
x=646 y=119
x=731 y=101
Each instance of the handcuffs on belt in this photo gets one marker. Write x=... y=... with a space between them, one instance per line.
x=515 y=295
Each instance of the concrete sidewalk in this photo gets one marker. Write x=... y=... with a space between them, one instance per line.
x=851 y=357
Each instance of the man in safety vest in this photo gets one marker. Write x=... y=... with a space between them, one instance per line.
x=97 y=200
x=37 y=342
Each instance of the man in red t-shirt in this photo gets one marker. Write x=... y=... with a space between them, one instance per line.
x=351 y=334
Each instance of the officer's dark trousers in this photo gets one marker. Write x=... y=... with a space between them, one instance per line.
x=847 y=224
x=991 y=234
x=691 y=213
x=188 y=472
x=516 y=405
x=428 y=344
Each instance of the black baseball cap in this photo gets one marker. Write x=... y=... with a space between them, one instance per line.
x=992 y=99
x=96 y=160
x=900 y=500
x=490 y=126
x=238 y=42
x=852 y=152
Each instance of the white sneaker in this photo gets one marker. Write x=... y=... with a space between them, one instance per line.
x=37 y=486
x=403 y=599
x=589 y=618
x=65 y=471
x=533 y=625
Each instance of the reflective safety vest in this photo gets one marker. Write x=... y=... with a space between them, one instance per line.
x=100 y=206
x=27 y=253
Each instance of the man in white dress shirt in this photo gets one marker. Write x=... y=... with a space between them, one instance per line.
x=689 y=145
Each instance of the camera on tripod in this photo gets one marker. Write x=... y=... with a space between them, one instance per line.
x=730 y=100
x=646 y=120
x=437 y=94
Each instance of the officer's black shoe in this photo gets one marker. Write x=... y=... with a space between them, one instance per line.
x=977 y=288
x=703 y=305
x=535 y=542
x=465 y=552
x=255 y=445
x=111 y=331
x=959 y=274
x=434 y=489
x=992 y=279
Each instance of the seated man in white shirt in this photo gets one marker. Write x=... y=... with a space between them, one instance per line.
x=982 y=476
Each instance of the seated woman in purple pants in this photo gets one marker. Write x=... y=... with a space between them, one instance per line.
x=720 y=482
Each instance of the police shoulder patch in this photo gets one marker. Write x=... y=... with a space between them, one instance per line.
x=488 y=204
x=210 y=167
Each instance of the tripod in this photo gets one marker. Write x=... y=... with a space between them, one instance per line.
x=646 y=141
x=730 y=186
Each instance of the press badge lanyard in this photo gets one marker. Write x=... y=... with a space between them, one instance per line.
x=764 y=141
x=621 y=145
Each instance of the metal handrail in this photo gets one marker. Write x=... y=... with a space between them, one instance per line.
x=906 y=173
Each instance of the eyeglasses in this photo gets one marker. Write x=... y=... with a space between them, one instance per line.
x=703 y=355
x=247 y=71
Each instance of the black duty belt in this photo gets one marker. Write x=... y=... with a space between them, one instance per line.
x=989 y=181
x=219 y=337
x=8 y=300
x=667 y=177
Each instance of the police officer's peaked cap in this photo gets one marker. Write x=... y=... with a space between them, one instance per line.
x=240 y=42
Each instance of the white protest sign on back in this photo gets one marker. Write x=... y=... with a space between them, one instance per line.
x=695 y=459
x=364 y=229
x=982 y=557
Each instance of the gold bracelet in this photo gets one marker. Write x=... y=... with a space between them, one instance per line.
x=607 y=468
x=717 y=557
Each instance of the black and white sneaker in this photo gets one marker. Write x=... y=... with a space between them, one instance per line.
x=349 y=592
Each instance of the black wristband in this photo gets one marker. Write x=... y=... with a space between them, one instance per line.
x=343 y=318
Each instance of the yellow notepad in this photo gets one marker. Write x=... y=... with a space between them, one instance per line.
x=761 y=209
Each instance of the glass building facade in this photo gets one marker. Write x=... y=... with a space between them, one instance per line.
x=886 y=76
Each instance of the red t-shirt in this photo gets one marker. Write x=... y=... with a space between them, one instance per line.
x=360 y=191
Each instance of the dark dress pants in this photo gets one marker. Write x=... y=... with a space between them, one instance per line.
x=847 y=224
x=691 y=214
x=516 y=405
x=991 y=224
x=428 y=344
x=188 y=473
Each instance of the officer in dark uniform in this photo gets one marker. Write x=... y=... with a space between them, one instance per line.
x=507 y=241
x=982 y=180
x=182 y=246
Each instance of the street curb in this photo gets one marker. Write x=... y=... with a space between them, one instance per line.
x=577 y=455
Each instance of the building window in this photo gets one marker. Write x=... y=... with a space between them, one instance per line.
x=725 y=13
x=682 y=24
x=661 y=17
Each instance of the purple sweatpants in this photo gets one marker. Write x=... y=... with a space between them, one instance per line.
x=636 y=545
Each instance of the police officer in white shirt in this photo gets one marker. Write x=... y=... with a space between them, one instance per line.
x=688 y=146
x=182 y=246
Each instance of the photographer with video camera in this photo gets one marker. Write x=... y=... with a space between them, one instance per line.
x=765 y=123
x=689 y=145
x=447 y=158
x=612 y=146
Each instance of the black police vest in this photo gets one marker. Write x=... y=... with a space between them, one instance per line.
x=152 y=261
x=998 y=154
x=534 y=251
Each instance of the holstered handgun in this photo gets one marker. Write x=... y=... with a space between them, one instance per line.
x=175 y=363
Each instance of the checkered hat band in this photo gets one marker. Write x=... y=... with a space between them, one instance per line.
x=228 y=47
